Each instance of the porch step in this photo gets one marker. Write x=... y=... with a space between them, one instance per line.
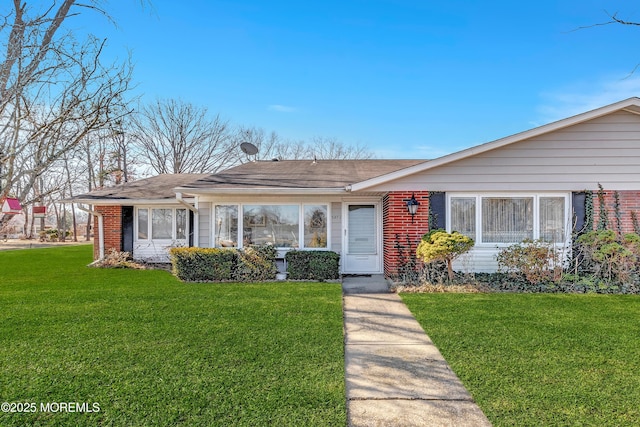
x=365 y=284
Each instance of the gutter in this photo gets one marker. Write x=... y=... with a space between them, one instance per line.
x=263 y=190
x=100 y=229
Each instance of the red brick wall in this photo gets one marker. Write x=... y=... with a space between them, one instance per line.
x=112 y=217
x=629 y=202
x=397 y=226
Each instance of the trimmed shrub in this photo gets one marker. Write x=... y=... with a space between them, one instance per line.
x=313 y=265
x=438 y=245
x=203 y=264
x=256 y=263
x=215 y=265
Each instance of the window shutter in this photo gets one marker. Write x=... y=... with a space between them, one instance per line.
x=127 y=229
x=579 y=211
x=191 y=221
x=437 y=210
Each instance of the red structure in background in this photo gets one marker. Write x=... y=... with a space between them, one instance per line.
x=11 y=206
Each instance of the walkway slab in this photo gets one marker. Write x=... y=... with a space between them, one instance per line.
x=415 y=413
x=400 y=373
x=395 y=375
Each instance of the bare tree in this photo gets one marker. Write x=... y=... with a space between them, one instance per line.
x=54 y=92
x=613 y=19
x=179 y=137
x=332 y=148
x=270 y=146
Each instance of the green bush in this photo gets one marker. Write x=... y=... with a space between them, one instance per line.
x=536 y=260
x=256 y=263
x=214 y=265
x=203 y=264
x=313 y=265
x=606 y=257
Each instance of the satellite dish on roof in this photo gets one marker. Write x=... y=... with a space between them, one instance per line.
x=249 y=149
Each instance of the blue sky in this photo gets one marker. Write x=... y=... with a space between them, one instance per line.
x=407 y=79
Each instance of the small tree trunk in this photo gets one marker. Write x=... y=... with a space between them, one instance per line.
x=450 y=269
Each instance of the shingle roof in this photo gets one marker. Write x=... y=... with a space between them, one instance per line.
x=298 y=174
x=155 y=188
x=259 y=176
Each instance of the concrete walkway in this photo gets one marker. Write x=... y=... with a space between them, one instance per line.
x=395 y=376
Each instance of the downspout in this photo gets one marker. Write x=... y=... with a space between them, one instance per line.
x=188 y=205
x=196 y=218
x=100 y=229
x=196 y=226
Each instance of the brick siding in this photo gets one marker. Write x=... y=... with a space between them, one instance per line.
x=112 y=217
x=397 y=226
x=629 y=202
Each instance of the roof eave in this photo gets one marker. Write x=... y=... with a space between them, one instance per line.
x=128 y=202
x=262 y=190
x=478 y=149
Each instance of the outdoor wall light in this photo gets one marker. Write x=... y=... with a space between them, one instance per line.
x=412 y=206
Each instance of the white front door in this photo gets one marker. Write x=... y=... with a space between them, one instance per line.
x=362 y=244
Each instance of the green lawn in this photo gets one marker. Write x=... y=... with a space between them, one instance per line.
x=541 y=360
x=150 y=350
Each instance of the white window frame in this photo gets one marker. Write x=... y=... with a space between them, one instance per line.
x=536 y=213
x=174 y=230
x=300 y=205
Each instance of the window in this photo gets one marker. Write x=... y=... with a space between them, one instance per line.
x=165 y=224
x=226 y=226
x=283 y=226
x=143 y=224
x=278 y=225
x=315 y=226
x=509 y=219
x=181 y=224
x=161 y=220
x=552 y=221
x=463 y=216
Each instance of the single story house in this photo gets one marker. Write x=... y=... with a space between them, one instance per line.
x=528 y=185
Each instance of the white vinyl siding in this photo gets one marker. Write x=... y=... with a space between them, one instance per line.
x=204 y=225
x=336 y=227
x=603 y=150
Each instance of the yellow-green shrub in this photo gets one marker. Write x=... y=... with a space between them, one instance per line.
x=438 y=245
